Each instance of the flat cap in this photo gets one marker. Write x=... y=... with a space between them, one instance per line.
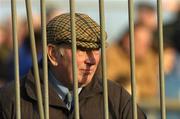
x=87 y=31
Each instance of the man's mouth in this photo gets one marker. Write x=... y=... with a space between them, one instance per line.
x=87 y=71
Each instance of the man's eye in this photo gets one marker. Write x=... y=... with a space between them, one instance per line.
x=80 y=52
x=96 y=51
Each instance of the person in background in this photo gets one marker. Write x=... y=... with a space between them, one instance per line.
x=146 y=15
x=4 y=51
x=25 y=55
x=52 y=11
x=172 y=82
x=118 y=63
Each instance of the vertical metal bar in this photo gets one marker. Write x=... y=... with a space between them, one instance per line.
x=34 y=57
x=132 y=56
x=16 y=57
x=45 y=67
x=161 y=62
x=103 y=58
x=73 y=35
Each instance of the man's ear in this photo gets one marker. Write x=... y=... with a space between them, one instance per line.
x=52 y=54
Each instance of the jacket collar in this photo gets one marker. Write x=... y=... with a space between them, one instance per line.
x=30 y=87
x=92 y=89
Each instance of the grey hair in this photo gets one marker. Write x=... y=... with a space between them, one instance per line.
x=60 y=51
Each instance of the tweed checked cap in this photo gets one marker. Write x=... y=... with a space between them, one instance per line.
x=87 y=31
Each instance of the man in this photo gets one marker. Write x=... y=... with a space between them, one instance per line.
x=146 y=15
x=118 y=63
x=61 y=81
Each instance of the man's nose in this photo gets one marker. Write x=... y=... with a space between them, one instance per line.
x=90 y=59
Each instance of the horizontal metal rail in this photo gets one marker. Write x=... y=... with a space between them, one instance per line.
x=153 y=105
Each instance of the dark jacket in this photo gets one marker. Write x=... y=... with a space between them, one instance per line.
x=90 y=101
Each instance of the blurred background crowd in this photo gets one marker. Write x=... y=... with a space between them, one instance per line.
x=118 y=50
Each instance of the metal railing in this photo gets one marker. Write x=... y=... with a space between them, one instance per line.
x=73 y=35
x=161 y=62
x=34 y=59
x=44 y=112
x=103 y=58
x=132 y=56
x=16 y=57
x=45 y=64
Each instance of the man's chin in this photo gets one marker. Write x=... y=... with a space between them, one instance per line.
x=80 y=85
x=84 y=83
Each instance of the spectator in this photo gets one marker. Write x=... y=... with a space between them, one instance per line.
x=146 y=15
x=118 y=63
x=25 y=55
x=4 y=51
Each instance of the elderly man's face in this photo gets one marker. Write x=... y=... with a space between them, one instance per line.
x=87 y=62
